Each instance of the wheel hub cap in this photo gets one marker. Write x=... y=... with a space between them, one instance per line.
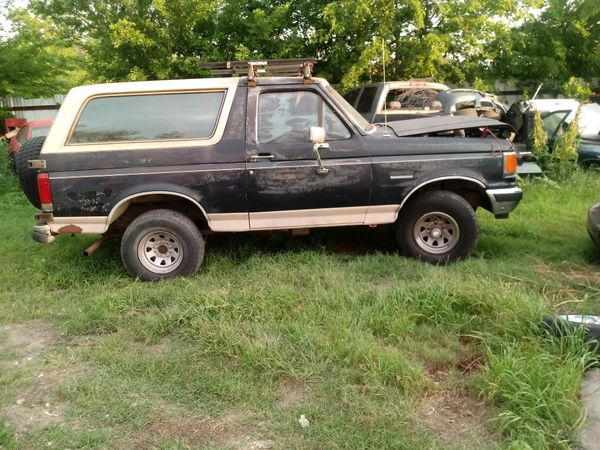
x=160 y=251
x=436 y=232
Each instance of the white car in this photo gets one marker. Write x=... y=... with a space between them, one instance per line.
x=558 y=113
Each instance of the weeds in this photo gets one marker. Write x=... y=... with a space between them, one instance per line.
x=560 y=162
x=539 y=142
x=534 y=383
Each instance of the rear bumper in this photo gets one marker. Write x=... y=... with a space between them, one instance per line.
x=593 y=225
x=503 y=201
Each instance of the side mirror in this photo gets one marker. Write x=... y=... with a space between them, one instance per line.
x=317 y=138
x=317 y=135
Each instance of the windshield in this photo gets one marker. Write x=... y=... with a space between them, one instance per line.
x=349 y=110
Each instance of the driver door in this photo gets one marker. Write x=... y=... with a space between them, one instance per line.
x=285 y=190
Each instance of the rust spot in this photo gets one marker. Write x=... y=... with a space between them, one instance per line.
x=70 y=229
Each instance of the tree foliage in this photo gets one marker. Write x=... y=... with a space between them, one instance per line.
x=561 y=41
x=457 y=41
x=33 y=62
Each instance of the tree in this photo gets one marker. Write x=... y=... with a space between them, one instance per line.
x=562 y=42
x=458 y=41
x=32 y=61
x=446 y=40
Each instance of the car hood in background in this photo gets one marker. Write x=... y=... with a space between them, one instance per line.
x=415 y=127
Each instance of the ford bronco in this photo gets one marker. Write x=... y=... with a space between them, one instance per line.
x=163 y=163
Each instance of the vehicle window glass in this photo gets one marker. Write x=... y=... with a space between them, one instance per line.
x=286 y=117
x=412 y=98
x=551 y=122
x=351 y=96
x=366 y=99
x=22 y=137
x=349 y=109
x=39 y=131
x=148 y=117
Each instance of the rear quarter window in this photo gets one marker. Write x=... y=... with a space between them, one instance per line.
x=152 y=117
x=366 y=99
x=351 y=96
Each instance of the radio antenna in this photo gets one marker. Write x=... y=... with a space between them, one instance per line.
x=385 y=98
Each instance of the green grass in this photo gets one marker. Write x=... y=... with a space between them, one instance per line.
x=336 y=326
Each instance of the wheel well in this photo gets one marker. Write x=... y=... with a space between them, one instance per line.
x=124 y=213
x=472 y=192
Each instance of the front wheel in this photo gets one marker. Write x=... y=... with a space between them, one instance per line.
x=437 y=227
x=162 y=244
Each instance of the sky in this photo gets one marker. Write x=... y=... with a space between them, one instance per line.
x=4 y=23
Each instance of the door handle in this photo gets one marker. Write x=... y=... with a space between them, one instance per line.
x=261 y=156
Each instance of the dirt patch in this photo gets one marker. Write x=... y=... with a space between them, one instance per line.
x=456 y=418
x=292 y=394
x=39 y=405
x=230 y=430
x=23 y=343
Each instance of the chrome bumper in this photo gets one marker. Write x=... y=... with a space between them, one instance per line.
x=503 y=201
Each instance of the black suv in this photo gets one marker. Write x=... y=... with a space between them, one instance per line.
x=161 y=163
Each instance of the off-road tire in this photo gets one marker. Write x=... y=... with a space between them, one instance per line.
x=438 y=227
x=28 y=177
x=161 y=244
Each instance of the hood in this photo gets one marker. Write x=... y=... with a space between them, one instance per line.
x=415 y=127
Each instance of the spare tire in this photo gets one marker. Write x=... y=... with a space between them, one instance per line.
x=28 y=177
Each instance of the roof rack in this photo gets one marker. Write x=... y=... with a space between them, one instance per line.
x=296 y=66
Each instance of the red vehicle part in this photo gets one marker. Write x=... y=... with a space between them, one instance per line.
x=28 y=130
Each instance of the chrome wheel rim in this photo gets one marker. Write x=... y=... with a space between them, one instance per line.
x=436 y=232
x=160 y=251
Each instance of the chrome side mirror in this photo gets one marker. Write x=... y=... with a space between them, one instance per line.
x=317 y=137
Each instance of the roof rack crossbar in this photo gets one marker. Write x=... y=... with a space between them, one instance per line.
x=295 y=66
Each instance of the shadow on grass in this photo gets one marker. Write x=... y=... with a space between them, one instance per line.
x=352 y=241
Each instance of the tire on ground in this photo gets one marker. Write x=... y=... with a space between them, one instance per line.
x=437 y=227
x=28 y=177
x=161 y=244
x=566 y=324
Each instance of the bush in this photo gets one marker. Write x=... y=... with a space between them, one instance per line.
x=564 y=153
x=539 y=143
x=561 y=161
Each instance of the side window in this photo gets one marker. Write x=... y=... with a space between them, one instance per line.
x=285 y=117
x=22 y=136
x=551 y=122
x=351 y=96
x=148 y=117
x=366 y=99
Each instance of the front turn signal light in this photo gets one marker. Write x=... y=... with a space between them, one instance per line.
x=510 y=163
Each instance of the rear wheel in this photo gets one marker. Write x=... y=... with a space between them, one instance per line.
x=437 y=227
x=162 y=244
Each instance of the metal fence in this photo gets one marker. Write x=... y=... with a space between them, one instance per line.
x=33 y=109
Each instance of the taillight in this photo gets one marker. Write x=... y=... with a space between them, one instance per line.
x=510 y=163
x=45 y=194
